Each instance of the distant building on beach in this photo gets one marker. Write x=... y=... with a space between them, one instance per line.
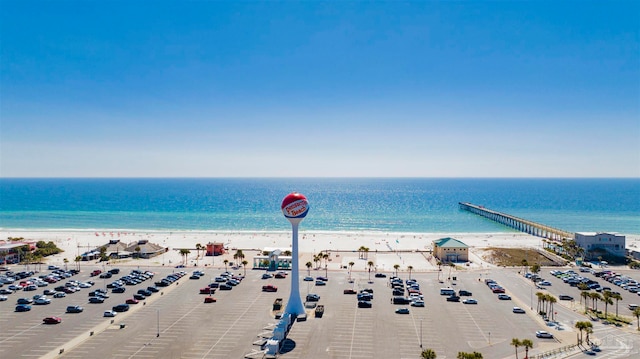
x=11 y=252
x=273 y=259
x=450 y=250
x=599 y=244
x=117 y=250
x=215 y=249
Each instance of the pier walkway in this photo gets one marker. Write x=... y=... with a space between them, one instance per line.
x=523 y=225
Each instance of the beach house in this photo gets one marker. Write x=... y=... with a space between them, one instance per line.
x=598 y=244
x=450 y=250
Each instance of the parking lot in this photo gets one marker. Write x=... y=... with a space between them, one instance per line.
x=177 y=323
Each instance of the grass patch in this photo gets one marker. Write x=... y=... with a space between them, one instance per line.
x=513 y=257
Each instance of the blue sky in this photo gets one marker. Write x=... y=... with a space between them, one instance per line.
x=320 y=89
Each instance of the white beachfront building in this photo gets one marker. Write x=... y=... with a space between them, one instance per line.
x=593 y=243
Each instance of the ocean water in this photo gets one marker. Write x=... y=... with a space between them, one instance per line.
x=357 y=204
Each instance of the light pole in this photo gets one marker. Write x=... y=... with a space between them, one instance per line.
x=420 y=333
x=531 y=298
x=158 y=332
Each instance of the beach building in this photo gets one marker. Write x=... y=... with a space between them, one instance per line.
x=273 y=259
x=10 y=252
x=450 y=250
x=145 y=249
x=215 y=249
x=598 y=244
x=116 y=249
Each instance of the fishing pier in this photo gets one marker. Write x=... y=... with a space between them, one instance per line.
x=523 y=225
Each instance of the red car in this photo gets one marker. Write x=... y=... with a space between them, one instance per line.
x=52 y=320
x=210 y=300
x=207 y=290
x=96 y=272
x=132 y=301
x=269 y=288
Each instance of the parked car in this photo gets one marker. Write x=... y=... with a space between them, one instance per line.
x=96 y=300
x=267 y=276
x=132 y=301
x=322 y=278
x=469 y=301
x=417 y=303
x=350 y=291
x=453 y=298
x=42 y=301
x=544 y=334
x=121 y=308
x=380 y=275
x=225 y=287
x=321 y=282
x=60 y=295
x=23 y=308
x=25 y=301
x=118 y=290
x=464 y=293
x=518 y=310
x=312 y=297
x=504 y=297
x=52 y=320
x=281 y=275
x=110 y=313
x=364 y=304
x=308 y=279
x=269 y=288
x=139 y=296
x=210 y=300
x=74 y=309
x=402 y=311
x=565 y=297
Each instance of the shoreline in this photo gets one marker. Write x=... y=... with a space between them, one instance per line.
x=386 y=249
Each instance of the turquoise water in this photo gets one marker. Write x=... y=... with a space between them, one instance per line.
x=398 y=205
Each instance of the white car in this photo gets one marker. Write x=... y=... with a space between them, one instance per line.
x=470 y=301
x=85 y=285
x=518 y=310
x=110 y=313
x=544 y=334
x=42 y=301
x=417 y=303
x=3 y=298
x=544 y=283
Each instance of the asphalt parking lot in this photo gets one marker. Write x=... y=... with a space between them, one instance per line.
x=178 y=324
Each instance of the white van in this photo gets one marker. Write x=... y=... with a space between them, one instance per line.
x=447 y=291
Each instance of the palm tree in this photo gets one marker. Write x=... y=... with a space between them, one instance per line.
x=524 y=265
x=588 y=330
x=78 y=259
x=527 y=344
x=370 y=264
x=326 y=266
x=540 y=297
x=316 y=259
x=439 y=263
x=516 y=343
x=581 y=326
x=226 y=261
x=350 y=267
x=584 y=295
x=410 y=268
x=244 y=264
x=65 y=263
x=595 y=297
x=137 y=249
x=552 y=300
x=366 y=253
x=636 y=313
x=309 y=265
x=606 y=298
x=198 y=248
x=428 y=354
x=396 y=266
x=617 y=297
x=185 y=253
x=361 y=252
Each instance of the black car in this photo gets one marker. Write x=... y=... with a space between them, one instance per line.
x=225 y=287
x=464 y=293
x=398 y=291
x=118 y=290
x=453 y=298
x=313 y=297
x=121 y=308
x=565 y=297
x=96 y=300
x=153 y=289
x=145 y=292
x=380 y=275
x=364 y=304
x=139 y=296
x=114 y=271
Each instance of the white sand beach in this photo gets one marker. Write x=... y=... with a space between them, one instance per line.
x=385 y=249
